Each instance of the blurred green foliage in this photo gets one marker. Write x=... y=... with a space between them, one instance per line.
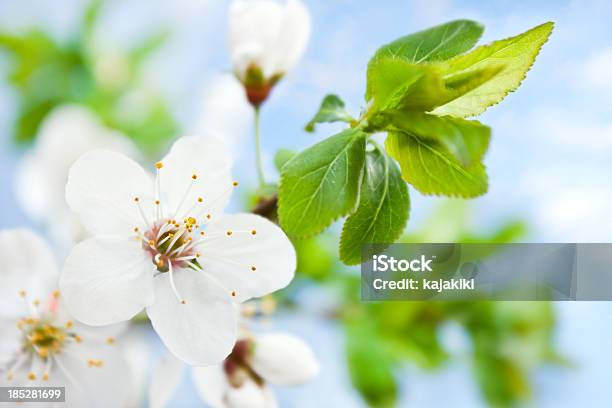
x=47 y=73
x=507 y=339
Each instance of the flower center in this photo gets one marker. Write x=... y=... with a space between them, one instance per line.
x=237 y=365
x=171 y=244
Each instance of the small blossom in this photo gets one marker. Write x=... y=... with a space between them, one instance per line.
x=41 y=344
x=161 y=243
x=244 y=377
x=267 y=39
x=65 y=134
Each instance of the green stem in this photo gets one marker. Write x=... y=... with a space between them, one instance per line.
x=259 y=163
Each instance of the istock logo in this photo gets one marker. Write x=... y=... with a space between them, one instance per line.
x=383 y=263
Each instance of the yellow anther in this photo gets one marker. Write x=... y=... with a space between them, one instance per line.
x=194 y=176
x=110 y=340
x=95 y=363
x=22 y=293
x=200 y=199
x=56 y=294
x=31 y=376
x=78 y=339
x=9 y=376
x=136 y=229
x=198 y=254
x=191 y=220
x=208 y=216
x=69 y=324
x=36 y=302
x=229 y=233
x=151 y=242
x=159 y=165
x=43 y=352
x=30 y=320
x=235 y=184
x=253 y=232
x=45 y=377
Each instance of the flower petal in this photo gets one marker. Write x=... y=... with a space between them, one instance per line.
x=207 y=159
x=101 y=189
x=254 y=29
x=211 y=384
x=107 y=280
x=201 y=331
x=166 y=378
x=231 y=258
x=105 y=385
x=27 y=264
x=282 y=359
x=250 y=395
x=292 y=38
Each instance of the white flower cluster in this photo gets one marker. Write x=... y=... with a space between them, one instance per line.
x=158 y=242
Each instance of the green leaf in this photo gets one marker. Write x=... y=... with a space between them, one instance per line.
x=394 y=83
x=431 y=169
x=281 y=157
x=321 y=183
x=434 y=44
x=516 y=55
x=331 y=110
x=383 y=208
x=466 y=140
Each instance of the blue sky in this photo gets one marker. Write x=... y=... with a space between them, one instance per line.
x=549 y=160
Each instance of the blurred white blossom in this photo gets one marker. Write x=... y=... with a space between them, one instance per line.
x=164 y=244
x=40 y=344
x=267 y=39
x=244 y=377
x=66 y=133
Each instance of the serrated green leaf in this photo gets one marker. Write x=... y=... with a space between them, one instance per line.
x=383 y=208
x=394 y=83
x=321 y=183
x=516 y=55
x=331 y=110
x=466 y=140
x=431 y=169
x=281 y=157
x=436 y=43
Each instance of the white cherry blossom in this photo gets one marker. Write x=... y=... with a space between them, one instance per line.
x=40 y=344
x=164 y=244
x=243 y=380
x=267 y=39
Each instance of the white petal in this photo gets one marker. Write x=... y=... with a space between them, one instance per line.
x=27 y=264
x=211 y=384
x=206 y=158
x=283 y=359
x=166 y=378
x=231 y=258
x=293 y=37
x=101 y=189
x=86 y=385
x=249 y=395
x=107 y=280
x=202 y=331
x=254 y=30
